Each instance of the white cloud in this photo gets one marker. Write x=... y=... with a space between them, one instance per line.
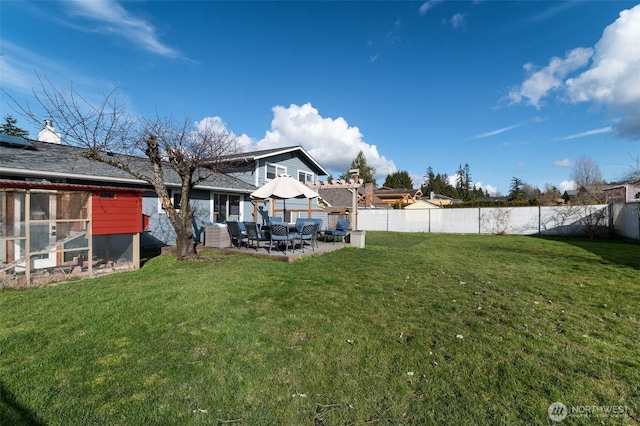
x=587 y=133
x=20 y=74
x=495 y=132
x=332 y=142
x=614 y=76
x=567 y=185
x=452 y=179
x=612 y=80
x=541 y=82
x=112 y=19
x=417 y=179
x=216 y=124
x=424 y=8
x=563 y=163
x=492 y=190
x=458 y=21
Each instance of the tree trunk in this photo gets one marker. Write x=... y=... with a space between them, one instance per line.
x=185 y=246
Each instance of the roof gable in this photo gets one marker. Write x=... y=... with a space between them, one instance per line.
x=253 y=156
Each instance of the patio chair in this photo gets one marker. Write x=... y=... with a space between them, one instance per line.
x=339 y=231
x=300 y=223
x=308 y=233
x=279 y=233
x=318 y=222
x=254 y=235
x=275 y=219
x=236 y=233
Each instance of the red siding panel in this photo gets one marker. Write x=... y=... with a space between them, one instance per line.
x=116 y=213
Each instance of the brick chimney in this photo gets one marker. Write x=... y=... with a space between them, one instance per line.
x=368 y=194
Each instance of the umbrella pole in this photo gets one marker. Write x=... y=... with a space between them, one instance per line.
x=284 y=214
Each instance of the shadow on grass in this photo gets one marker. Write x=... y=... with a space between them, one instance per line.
x=14 y=413
x=611 y=250
x=148 y=253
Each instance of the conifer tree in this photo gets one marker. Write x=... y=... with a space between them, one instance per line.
x=9 y=128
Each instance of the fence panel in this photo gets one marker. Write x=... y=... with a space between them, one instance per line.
x=626 y=220
x=460 y=221
x=510 y=220
x=408 y=220
x=373 y=219
x=562 y=220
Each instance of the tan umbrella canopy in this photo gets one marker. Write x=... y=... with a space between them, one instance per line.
x=283 y=187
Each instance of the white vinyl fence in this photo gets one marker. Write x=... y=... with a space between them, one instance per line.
x=625 y=220
x=566 y=220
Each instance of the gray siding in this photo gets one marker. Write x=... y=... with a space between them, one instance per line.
x=293 y=164
x=200 y=201
x=161 y=231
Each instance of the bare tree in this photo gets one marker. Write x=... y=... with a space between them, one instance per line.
x=633 y=173
x=586 y=174
x=148 y=149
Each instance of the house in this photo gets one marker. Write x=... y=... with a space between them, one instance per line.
x=623 y=193
x=258 y=167
x=423 y=205
x=397 y=197
x=338 y=198
x=593 y=194
x=221 y=197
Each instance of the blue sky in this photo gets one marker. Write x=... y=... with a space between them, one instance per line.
x=513 y=88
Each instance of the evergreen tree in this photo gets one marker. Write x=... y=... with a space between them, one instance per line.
x=463 y=182
x=438 y=184
x=516 y=190
x=366 y=172
x=9 y=128
x=429 y=179
x=399 y=180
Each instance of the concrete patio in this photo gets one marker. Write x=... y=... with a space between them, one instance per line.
x=288 y=256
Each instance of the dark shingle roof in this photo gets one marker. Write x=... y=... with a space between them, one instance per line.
x=336 y=197
x=57 y=161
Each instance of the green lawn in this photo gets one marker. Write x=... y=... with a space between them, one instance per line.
x=413 y=329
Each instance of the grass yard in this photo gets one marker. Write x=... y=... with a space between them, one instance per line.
x=413 y=329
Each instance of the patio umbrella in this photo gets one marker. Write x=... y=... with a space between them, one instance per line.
x=284 y=187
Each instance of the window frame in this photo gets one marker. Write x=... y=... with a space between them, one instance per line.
x=276 y=167
x=309 y=176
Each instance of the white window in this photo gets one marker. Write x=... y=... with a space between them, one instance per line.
x=305 y=177
x=176 y=196
x=274 y=170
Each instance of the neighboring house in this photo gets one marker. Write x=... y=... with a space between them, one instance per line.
x=593 y=194
x=258 y=167
x=441 y=200
x=397 y=197
x=423 y=205
x=338 y=199
x=623 y=193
